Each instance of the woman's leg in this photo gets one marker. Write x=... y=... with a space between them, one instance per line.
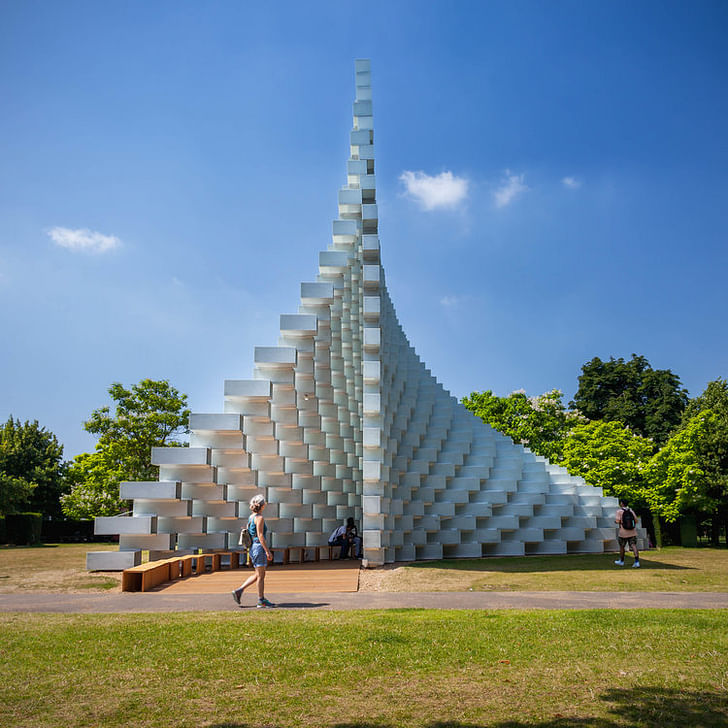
x=260 y=576
x=248 y=582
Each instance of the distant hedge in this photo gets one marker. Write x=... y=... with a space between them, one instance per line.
x=70 y=531
x=23 y=528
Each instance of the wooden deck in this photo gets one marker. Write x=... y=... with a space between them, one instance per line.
x=311 y=578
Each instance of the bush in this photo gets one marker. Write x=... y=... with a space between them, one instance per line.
x=3 y=535
x=69 y=531
x=23 y=528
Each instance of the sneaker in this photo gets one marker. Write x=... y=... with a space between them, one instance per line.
x=636 y=565
x=619 y=563
x=265 y=604
x=237 y=593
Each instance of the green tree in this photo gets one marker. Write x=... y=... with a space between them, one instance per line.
x=94 y=487
x=689 y=475
x=715 y=398
x=31 y=468
x=649 y=401
x=609 y=456
x=150 y=414
x=542 y=423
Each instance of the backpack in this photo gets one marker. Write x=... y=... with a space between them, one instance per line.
x=628 y=520
x=246 y=538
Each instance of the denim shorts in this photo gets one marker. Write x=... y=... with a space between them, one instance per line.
x=257 y=554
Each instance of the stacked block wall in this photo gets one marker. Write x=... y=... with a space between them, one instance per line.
x=341 y=418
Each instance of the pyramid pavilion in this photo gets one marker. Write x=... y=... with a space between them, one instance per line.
x=343 y=419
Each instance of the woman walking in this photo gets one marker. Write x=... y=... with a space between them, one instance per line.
x=260 y=554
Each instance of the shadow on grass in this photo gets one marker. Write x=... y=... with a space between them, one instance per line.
x=635 y=708
x=541 y=564
x=14 y=547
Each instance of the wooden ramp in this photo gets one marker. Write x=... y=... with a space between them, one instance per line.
x=314 y=577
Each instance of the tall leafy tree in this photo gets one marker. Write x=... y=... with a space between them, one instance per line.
x=648 y=401
x=31 y=468
x=608 y=455
x=541 y=423
x=150 y=414
x=715 y=398
x=689 y=475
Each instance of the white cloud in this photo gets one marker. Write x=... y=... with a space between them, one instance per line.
x=444 y=190
x=83 y=240
x=450 y=301
x=511 y=186
x=571 y=182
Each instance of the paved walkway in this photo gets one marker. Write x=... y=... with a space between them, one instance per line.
x=169 y=602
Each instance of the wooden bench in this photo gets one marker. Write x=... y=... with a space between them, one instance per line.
x=146 y=576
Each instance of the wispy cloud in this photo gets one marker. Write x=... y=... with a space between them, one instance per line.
x=571 y=182
x=511 y=186
x=83 y=240
x=450 y=301
x=444 y=190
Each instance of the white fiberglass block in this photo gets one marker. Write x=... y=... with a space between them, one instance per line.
x=202 y=541
x=112 y=525
x=143 y=507
x=511 y=548
x=216 y=422
x=180 y=456
x=372 y=337
x=248 y=388
x=112 y=560
x=188 y=473
x=320 y=292
x=299 y=323
x=371 y=274
x=150 y=489
x=193 y=524
x=150 y=542
x=372 y=470
x=219 y=510
x=275 y=355
x=546 y=547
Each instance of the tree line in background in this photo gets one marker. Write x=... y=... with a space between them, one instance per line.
x=633 y=431
x=630 y=429
x=35 y=478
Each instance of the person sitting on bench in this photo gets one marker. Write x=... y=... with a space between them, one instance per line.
x=338 y=538
x=353 y=539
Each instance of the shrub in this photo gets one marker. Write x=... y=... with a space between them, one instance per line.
x=23 y=528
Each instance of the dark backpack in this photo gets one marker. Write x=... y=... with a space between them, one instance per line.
x=628 y=520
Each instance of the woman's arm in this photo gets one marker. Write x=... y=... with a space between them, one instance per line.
x=261 y=537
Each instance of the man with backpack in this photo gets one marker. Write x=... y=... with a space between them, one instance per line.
x=627 y=521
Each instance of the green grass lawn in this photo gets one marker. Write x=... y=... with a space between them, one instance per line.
x=669 y=569
x=62 y=568
x=424 y=668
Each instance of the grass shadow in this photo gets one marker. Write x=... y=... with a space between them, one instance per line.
x=628 y=708
x=13 y=547
x=541 y=564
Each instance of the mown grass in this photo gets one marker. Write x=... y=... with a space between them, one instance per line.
x=669 y=569
x=53 y=568
x=409 y=668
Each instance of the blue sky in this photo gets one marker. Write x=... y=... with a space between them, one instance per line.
x=568 y=169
